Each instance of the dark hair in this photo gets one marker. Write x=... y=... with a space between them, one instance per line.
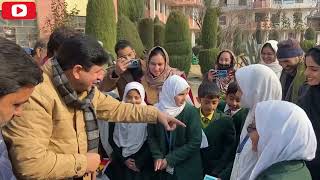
x=121 y=44
x=83 y=50
x=232 y=88
x=233 y=60
x=17 y=68
x=57 y=37
x=39 y=44
x=267 y=45
x=156 y=51
x=315 y=54
x=208 y=90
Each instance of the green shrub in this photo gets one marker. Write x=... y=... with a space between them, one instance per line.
x=127 y=30
x=207 y=59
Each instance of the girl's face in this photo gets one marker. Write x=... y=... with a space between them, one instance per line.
x=133 y=97
x=268 y=55
x=156 y=65
x=180 y=99
x=254 y=136
x=312 y=71
x=225 y=58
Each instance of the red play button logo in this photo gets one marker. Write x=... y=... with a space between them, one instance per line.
x=18 y=10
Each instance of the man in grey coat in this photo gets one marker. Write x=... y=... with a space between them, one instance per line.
x=19 y=74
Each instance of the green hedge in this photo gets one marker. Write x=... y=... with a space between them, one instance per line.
x=207 y=59
x=178 y=41
x=210 y=28
x=310 y=34
x=159 y=34
x=146 y=31
x=307 y=44
x=127 y=30
x=101 y=24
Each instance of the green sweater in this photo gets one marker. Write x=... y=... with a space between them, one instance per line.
x=185 y=154
x=286 y=170
x=221 y=137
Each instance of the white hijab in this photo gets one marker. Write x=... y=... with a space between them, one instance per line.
x=131 y=136
x=171 y=88
x=285 y=133
x=275 y=66
x=258 y=83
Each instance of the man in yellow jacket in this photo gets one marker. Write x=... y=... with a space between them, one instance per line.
x=57 y=136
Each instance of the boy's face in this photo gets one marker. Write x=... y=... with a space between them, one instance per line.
x=208 y=105
x=233 y=101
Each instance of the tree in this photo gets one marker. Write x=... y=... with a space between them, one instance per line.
x=146 y=31
x=210 y=28
x=237 y=42
x=274 y=35
x=209 y=34
x=127 y=30
x=159 y=29
x=134 y=9
x=178 y=41
x=310 y=34
x=60 y=15
x=101 y=22
x=307 y=44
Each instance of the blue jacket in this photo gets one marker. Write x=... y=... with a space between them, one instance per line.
x=5 y=164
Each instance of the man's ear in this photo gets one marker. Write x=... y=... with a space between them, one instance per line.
x=76 y=71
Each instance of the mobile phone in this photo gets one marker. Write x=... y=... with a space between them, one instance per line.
x=219 y=73
x=207 y=177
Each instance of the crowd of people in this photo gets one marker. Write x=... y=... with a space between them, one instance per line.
x=59 y=117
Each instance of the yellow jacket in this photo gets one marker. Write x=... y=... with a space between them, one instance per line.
x=49 y=140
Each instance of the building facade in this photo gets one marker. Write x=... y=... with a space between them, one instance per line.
x=288 y=17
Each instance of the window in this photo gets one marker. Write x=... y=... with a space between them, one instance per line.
x=222 y=20
x=259 y=17
x=242 y=19
x=161 y=8
x=277 y=1
x=299 y=1
x=223 y=2
x=275 y=18
x=242 y=2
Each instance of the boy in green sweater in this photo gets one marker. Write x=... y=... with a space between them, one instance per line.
x=219 y=130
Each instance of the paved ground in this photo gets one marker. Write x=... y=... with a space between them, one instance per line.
x=194 y=79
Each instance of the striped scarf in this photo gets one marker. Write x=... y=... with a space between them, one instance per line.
x=70 y=97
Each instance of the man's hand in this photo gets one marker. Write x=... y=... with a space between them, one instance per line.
x=121 y=65
x=169 y=123
x=93 y=161
x=130 y=163
x=157 y=164
x=164 y=164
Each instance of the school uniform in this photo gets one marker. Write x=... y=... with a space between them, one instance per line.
x=181 y=147
x=129 y=140
x=221 y=135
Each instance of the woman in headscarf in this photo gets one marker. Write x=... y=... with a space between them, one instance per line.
x=256 y=83
x=283 y=138
x=176 y=154
x=268 y=56
x=158 y=70
x=225 y=61
x=309 y=101
x=131 y=157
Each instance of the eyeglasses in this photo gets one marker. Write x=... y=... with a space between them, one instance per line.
x=251 y=127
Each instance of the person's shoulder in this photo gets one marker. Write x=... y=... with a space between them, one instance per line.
x=286 y=170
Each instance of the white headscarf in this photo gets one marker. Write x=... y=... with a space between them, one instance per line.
x=285 y=133
x=171 y=88
x=275 y=66
x=258 y=83
x=131 y=136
